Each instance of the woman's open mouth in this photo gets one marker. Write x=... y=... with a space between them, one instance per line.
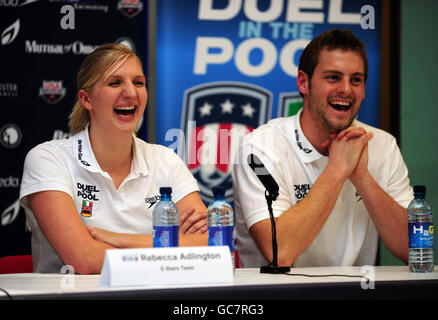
x=125 y=110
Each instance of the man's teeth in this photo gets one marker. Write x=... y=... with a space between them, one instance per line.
x=340 y=105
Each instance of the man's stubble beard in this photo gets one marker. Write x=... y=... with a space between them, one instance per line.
x=323 y=123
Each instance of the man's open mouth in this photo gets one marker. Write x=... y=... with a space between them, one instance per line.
x=340 y=105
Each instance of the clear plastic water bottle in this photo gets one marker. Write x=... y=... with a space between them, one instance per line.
x=220 y=218
x=166 y=221
x=420 y=227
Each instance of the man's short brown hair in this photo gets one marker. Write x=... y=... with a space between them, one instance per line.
x=331 y=40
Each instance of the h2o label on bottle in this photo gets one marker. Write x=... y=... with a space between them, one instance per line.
x=420 y=235
x=221 y=236
x=166 y=236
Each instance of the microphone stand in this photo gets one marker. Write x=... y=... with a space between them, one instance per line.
x=273 y=266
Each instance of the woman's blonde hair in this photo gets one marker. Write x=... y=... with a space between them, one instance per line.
x=102 y=62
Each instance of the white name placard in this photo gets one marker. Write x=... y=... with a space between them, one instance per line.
x=164 y=266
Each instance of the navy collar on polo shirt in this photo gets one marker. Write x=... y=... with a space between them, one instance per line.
x=304 y=148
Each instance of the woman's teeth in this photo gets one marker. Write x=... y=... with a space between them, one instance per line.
x=124 y=110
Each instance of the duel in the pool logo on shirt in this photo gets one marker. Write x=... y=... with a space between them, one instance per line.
x=301 y=190
x=87 y=192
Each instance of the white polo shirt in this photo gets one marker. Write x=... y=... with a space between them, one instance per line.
x=69 y=166
x=349 y=236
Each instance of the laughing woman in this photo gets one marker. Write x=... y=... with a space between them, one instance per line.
x=104 y=180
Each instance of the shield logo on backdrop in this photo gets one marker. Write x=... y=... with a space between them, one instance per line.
x=52 y=91
x=215 y=118
x=130 y=8
x=290 y=104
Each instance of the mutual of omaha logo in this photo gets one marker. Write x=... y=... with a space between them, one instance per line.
x=87 y=209
x=52 y=91
x=215 y=118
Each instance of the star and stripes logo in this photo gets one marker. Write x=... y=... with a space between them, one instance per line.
x=215 y=117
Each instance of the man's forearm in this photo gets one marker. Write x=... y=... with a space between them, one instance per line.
x=298 y=226
x=388 y=216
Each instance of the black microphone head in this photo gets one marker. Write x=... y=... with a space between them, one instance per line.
x=263 y=174
x=257 y=165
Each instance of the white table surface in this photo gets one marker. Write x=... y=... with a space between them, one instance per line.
x=28 y=284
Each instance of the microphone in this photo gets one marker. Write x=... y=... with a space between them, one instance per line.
x=271 y=194
x=264 y=176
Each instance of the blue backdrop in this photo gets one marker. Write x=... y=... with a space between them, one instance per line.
x=225 y=62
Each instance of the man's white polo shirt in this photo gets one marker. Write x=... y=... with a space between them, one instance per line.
x=69 y=166
x=349 y=236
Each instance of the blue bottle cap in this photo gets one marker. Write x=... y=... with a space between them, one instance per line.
x=166 y=190
x=421 y=189
x=218 y=191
